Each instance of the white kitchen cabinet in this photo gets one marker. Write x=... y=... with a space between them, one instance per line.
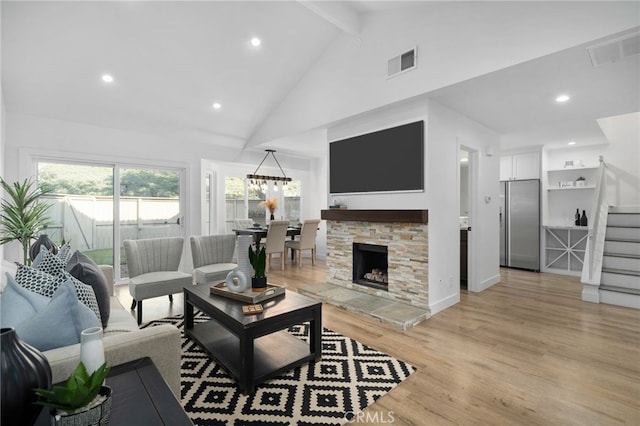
x=520 y=166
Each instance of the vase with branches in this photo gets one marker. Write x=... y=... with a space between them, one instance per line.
x=271 y=205
x=23 y=215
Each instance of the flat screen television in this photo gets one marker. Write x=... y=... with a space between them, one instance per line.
x=388 y=160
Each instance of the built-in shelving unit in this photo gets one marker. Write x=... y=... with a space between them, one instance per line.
x=563 y=243
x=570 y=174
x=571 y=188
x=565 y=196
x=564 y=249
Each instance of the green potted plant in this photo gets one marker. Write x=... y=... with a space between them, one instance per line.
x=258 y=260
x=22 y=214
x=81 y=400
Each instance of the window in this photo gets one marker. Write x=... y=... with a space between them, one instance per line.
x=243 y=200
x=234 y=194
x=292 y=193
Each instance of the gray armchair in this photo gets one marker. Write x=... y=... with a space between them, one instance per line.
x=153 y=269
x=212 y=256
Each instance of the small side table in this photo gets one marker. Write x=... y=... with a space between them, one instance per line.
x=140 y=397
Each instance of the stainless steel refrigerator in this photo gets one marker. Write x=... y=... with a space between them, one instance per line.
x=520 y=224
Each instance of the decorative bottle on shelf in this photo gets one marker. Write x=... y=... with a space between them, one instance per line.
x=577 y=221
x=583 y=219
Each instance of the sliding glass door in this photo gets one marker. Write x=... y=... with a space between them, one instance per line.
x=82 y=212
x=149 y=206
x=94 y=217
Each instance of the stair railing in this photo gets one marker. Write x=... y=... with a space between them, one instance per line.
x=592 y=266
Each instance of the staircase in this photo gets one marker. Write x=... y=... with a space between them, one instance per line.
x=620 y=278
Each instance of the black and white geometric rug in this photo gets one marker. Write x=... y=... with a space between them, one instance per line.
x=350 y=377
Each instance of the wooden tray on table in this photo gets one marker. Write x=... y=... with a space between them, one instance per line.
x=248 y=296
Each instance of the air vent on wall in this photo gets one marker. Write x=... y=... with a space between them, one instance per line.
x=614 y=50
x=403 y=62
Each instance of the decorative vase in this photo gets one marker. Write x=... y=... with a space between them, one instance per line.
x=259 y=283
x=94 y=414
x=24 y=369
x=236 y=281
x=43 y=240
x=272 y=217
x=91 y=348
x=242 y=250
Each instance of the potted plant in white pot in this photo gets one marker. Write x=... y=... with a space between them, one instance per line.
x=23 y=215
x=83 y=400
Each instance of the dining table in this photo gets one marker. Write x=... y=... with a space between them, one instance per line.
x=259 y=233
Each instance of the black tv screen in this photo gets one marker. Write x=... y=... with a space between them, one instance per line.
x=387 y=160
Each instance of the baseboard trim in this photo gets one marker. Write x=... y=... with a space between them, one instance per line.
x=445 y=303
x=485 y=284
x=590 y=293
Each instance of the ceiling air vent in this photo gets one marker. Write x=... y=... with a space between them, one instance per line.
x=401 y=63
x=614 y=50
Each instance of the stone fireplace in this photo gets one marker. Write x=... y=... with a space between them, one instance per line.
x=403 y=234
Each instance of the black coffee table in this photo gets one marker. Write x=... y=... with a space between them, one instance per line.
x=254 y=348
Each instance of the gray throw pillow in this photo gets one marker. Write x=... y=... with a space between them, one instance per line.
x=84 y=269
x=42 y=283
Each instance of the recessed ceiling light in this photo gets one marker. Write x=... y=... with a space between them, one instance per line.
x=107 y=78
x=572 y=143
x=562 y=98
x=255 y=42
x=216 y=105
x=464 y=160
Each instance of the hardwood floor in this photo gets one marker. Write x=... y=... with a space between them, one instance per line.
x=526 y=351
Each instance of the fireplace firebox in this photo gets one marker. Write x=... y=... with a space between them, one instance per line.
x=370 y=265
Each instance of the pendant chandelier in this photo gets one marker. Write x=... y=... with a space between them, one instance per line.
x=259 y=180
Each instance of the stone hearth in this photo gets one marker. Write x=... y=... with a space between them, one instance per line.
x=407 y=242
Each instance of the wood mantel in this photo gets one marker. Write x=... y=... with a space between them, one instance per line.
x=389 y=216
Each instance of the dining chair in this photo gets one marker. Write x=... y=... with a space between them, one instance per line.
x=276 y=236
x=307 y=241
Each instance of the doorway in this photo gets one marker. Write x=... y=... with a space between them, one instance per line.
x=467 y=197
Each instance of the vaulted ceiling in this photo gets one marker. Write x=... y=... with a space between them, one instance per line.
x=171 y=61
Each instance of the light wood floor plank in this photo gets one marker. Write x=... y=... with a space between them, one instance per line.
x=526 y=351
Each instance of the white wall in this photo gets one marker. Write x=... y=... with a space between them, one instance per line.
x=383 y=118
x=446 y=131
x=27 y=137
x=2 y=135
x=456 y=41
x=310 y=172
x=622 y=155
